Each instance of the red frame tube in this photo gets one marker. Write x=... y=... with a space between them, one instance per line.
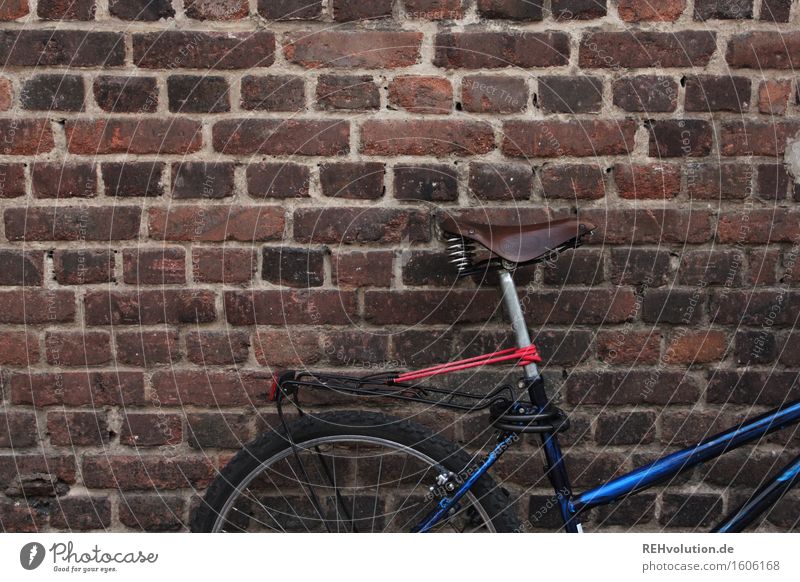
x=525 y=356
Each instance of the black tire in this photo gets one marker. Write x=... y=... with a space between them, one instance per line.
x=492 y=499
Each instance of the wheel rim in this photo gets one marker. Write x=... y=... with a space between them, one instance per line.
x=338 y=495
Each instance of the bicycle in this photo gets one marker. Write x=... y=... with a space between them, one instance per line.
x=361 y=471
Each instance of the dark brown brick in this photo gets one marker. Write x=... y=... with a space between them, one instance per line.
x=708 y=181
x=211 y=388
x=426 y=138
x=676 y=306
x=353 y=180
x=646 y=93
x=143 y=10
x=491 y=50
x=428 y=268
x=218 y=430
x=198 y=94
x=211 y=348
x=775 y=10
x=359 y=225
x=290 y=9
x=61 y=180
x=755 y=307
x=19 y=267
x=350 y=10
x=634 y=266
x=574 y=181
x=579 y=267
x=286 y=307
x=210 y=180
x=149 y=307
x=213 y=265
x=152 y=513
x=83 y=266
x=72 y=223
x=140 y=472
x=511 y=9
x=133 y=179
x=12 y=180
x=278 y=180
x=53 y=93
x=357 y=93
x=550 y=139
x=362 y=49
x=151 y=430
x=294 y=267
x=428 y=182
x=723 y=9
x=772 y=181
x=647 y=182
x=57 y=48
x=18 y=348
x=698 y=510
x=490 y=181
x=764 y=49
x=752 y=387
x=279 y=347
x=216 y=223
x=631 y=226
x=639 y=49
x=273 y=93
x=66 y=9
x=708 y=93
x=82 y=514
x=578 y=94
x=301 y=137
x=80 y=388
x=717 y=267
x=159 y=266
x=758 y=225
x=755 y=347
x=684 y=138
x=578 y=9
x=756 y=138
x=362 y=268
x=17 y=429
x=434 y=9
x=494 y=94
x=79 y=348
x=632 y=386
x=646 y=11
x=203 y=50
x=147 y=348
x=433 y=307
x=216 y=9
x=126 y=94
x=625 y=428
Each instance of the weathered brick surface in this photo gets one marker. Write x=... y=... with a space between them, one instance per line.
x=195 y=193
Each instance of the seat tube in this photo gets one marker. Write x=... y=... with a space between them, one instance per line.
x=511 y=301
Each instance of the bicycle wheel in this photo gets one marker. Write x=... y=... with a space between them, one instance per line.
x=357 y=472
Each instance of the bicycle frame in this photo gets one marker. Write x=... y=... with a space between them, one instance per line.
x=572 y=506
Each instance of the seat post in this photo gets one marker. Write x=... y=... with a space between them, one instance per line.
x=511 y=300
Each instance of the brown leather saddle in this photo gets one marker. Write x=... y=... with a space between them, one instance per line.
x=523 y=242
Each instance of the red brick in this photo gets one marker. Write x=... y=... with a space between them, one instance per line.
x=362 y=49
x=70 y=429
x=13 y=9
x=646 y=11
x=203 y=50
x=216 y=9
x=549 y=139
x=350 y=10
x=149 y=307
x=708 y=181
x=706 y=93
x=717 y=267
x=625 y=226
x=510 y=9
x=81 y=348
x=21 y=267
x=82 y=514
x=280 y=347
x=362 y=268
x=756 y=138
x=294 y=137
x=273 y=93
x=353 y=180
x=572 y=182
x=210 y=348
x=133 y=179
x=647 y=182
x=17 y=429
x=198 y=94
x=758 y=226
x=290 y=9
x=764 y=49
x=72 y=223
x=12 y=180
x=426 y=138
x=151 y=430
x=61 y=180
x=432 y=307
x=147 y=348
x=152 y=513
x=61 y=48
x=210 y=388
x=729 y=10
x=629 y=346
x=83 y=266
x=356 y=93
x=434 y=9
x=671 y=138
x=359 y=225
x=117 y=94
x=161 y=266
x=490 y=181
x=491 y=50
x=773 y=96
x=133 y=136
x=84 y=388
x=18 y=348
x=646 y=93
x=419 y=94
x=640 y=49
x=287 y=307
x=209 y=180
x=278 y=180
x=134 y=472
x=30 y=306
x=216 y=223
x=696 y=347
x=211 y=265
x=428 y=182
x=25 y=137
x=494 y=94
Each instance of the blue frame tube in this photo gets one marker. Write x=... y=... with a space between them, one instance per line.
x=677 y=462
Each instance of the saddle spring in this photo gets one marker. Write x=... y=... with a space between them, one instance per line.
x=462 y=252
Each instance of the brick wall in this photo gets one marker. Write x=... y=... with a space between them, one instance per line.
x=195 y=192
